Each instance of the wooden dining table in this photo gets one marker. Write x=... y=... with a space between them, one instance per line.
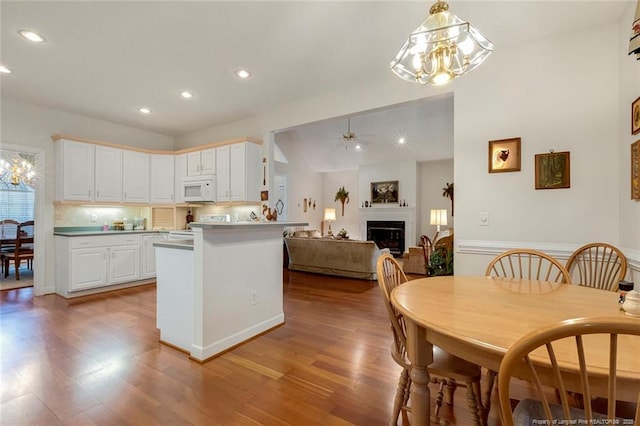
x=478 y=319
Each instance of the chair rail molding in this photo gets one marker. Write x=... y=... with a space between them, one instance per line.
x=558 y=250
x=493 y=248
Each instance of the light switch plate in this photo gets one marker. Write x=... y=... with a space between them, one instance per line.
x=484 y=219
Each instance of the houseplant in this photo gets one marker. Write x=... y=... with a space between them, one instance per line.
x=343 y=196
x=440 y=262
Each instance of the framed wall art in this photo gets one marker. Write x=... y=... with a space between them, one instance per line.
x=553 y=170
x=635 y=117
x=384 y=192
x=635 y=171
x=504 y=155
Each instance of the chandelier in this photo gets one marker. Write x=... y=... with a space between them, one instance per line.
x=442 y=48
x=17 y=171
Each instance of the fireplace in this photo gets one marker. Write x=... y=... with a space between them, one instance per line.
x=387 y=234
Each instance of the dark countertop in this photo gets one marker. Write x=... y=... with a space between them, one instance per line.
x=75 y=232
x=175 y=244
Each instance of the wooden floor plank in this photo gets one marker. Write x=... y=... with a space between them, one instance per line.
x=97 y=360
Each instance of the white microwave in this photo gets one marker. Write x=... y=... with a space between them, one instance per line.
x=199 y=188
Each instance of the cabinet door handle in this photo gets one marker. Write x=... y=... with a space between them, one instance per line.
x=125 y=195
x=89 y=193
x=97 y=193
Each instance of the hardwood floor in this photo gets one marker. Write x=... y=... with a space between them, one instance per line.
x=97 y=360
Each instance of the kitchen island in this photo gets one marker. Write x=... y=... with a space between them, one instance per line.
x=222 y=288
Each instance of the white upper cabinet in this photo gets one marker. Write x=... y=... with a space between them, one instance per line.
x=222 y=177
x=75 y=170
x=135 y=177
x=180 y=171
x=162 y=179
x=238 y=172
x=108 y=174
x=201 y=162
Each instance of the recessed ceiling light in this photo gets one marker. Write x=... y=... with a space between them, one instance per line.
x=186 y=95
x=401 y=140
x=4 y=70
x=243 y=74
x=145 y=110
x=31 y=36
x=358 y=147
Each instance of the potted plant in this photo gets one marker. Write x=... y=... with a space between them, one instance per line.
x=343 y=196
x=343 y=234
x=440 y=262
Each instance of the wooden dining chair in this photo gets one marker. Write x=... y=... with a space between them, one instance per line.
x=427 y=247
x=533 y=357
x=22 y=251
x=446 y=370
x=528 y=264
x=598 y=265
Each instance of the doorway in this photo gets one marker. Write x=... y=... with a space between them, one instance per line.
x=25 y=201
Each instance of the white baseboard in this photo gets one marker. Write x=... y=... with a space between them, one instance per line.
x=203 y=353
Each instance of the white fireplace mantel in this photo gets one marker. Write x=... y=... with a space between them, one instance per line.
x=405 y=214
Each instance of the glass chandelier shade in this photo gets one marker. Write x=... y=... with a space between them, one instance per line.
x=442 y=48
x=17 y=171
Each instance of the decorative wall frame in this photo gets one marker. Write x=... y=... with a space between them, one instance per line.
x=635 y=170
x=635 y=116
x=553 y=170
x=504 y=155
x=384 y=192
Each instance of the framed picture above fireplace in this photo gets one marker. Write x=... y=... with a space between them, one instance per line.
x=384 y=192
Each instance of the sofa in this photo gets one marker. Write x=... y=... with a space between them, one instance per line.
x=341 y=257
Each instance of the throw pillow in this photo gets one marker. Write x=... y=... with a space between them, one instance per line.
x=300 y=234
x=314 y=234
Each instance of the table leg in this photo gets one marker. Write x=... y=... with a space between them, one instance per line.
x=420 y=353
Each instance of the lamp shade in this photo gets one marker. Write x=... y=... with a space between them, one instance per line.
x=438 y=217
x=442 y=48
x=329 y=214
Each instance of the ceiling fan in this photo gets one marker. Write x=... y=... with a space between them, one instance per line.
x=350 y=139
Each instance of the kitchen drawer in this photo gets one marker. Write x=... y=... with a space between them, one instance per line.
x=104 y=241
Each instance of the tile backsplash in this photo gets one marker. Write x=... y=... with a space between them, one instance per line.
x=74 y=215
x=70 y=215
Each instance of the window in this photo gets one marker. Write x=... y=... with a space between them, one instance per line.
x=17 y=203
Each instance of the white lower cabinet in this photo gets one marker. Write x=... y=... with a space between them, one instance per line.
x=92 y=262
x=89 y=266
x=124 y=263
x=149 y=254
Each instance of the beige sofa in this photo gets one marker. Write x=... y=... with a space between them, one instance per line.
x=346 y=258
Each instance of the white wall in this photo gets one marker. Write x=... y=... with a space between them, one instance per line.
x=552 y=96
x=31 y=126
x=433 y=177
x=629 y=90
x=303 y=184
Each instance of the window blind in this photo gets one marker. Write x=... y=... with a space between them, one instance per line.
x=17 y=204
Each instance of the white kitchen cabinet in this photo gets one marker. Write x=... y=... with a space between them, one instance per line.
x=162 y=179
x=148 y=269
x=238 y=172
x=75 y=170
x=201 y=162
x=89 y=268
x=180 y=164
x=108 y=174
x=135 y=177
x=124 y=263
x=96 y=261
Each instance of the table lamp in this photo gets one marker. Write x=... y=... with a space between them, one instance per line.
x=438 y=217
x=329 y=215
